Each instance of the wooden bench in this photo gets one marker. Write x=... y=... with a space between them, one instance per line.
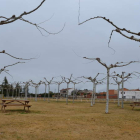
x=135 y=104
x=9 y=102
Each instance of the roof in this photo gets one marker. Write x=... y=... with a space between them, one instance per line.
x=85 y=91
x=134 y=90
x=65 y=89
x=125 y=89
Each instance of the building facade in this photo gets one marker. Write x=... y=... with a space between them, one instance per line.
x=63 y=92
x=112 y=94
x=85 y=93
x=128 y=94
x=131 y=94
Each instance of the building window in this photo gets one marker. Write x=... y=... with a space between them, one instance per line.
x=133 y=97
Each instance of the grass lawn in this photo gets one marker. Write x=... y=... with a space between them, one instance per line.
x=78 y=121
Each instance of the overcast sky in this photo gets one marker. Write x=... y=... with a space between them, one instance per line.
x=55 y=53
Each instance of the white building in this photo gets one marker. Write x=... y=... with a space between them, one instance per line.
x=130 y=94
x=63 y=92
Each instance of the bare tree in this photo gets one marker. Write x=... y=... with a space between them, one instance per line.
x=59 y=83
x=7 y=20
x=67 y=81
x=74 y=83
x=45 y=89
x=18 y=89
x=14 y=87
x=117 y=64
x=49 y=82
x=123 y=79
x=26 y=85
x=122 y=31
x=94 y=82
x=36 y=85
x=118 y=82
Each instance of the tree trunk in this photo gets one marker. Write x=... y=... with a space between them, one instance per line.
x=13 y=93
x=45 y=93
x=58 y=92
x=48 y=93
x=73 y=93
x=118 y=94
x=35 y=93
x=94 y=93
x=7 y=93
x=26 y=92
x=67 y=94
x=107 y=93
x=16 y=92
x=19 y=92
x=122 y=88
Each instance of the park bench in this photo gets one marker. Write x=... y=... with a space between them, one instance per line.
x=135 y=104
x=9 y=102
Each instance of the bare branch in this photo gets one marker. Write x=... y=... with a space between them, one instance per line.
x=94 y=80
x=41 y=28
x=126 y=64
x=117 y=64
x=20 y=17
x=96 y=75
x=49 y=82
x=98 y=59
x=4 y=68
x=45 y=20
x=14 y=18
x=74 y=81
x=108 y=20
x=14 y=56
x=13 y=64
x=35 y=84
x=117 y=29
x=110 y=40
x=59 y=82
x=67 y=80
x=112 y=84
x=8 y=73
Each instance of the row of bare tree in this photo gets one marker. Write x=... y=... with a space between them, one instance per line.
x=7 y=20
x=123 y=77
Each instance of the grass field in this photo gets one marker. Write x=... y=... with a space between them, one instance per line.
x=78 y=121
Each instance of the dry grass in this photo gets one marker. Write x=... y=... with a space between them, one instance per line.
x=79 y=121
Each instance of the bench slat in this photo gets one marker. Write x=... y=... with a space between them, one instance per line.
x=16 y=105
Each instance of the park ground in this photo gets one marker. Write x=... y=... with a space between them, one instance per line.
x=78 y=121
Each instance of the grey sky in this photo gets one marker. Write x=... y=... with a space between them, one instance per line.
x=56 y=56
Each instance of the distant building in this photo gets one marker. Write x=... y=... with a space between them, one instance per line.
x=130 y=94
x=85 y=93
x=112 y=94
x=63 y=92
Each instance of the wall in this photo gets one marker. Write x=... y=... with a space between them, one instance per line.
x=129 y=94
